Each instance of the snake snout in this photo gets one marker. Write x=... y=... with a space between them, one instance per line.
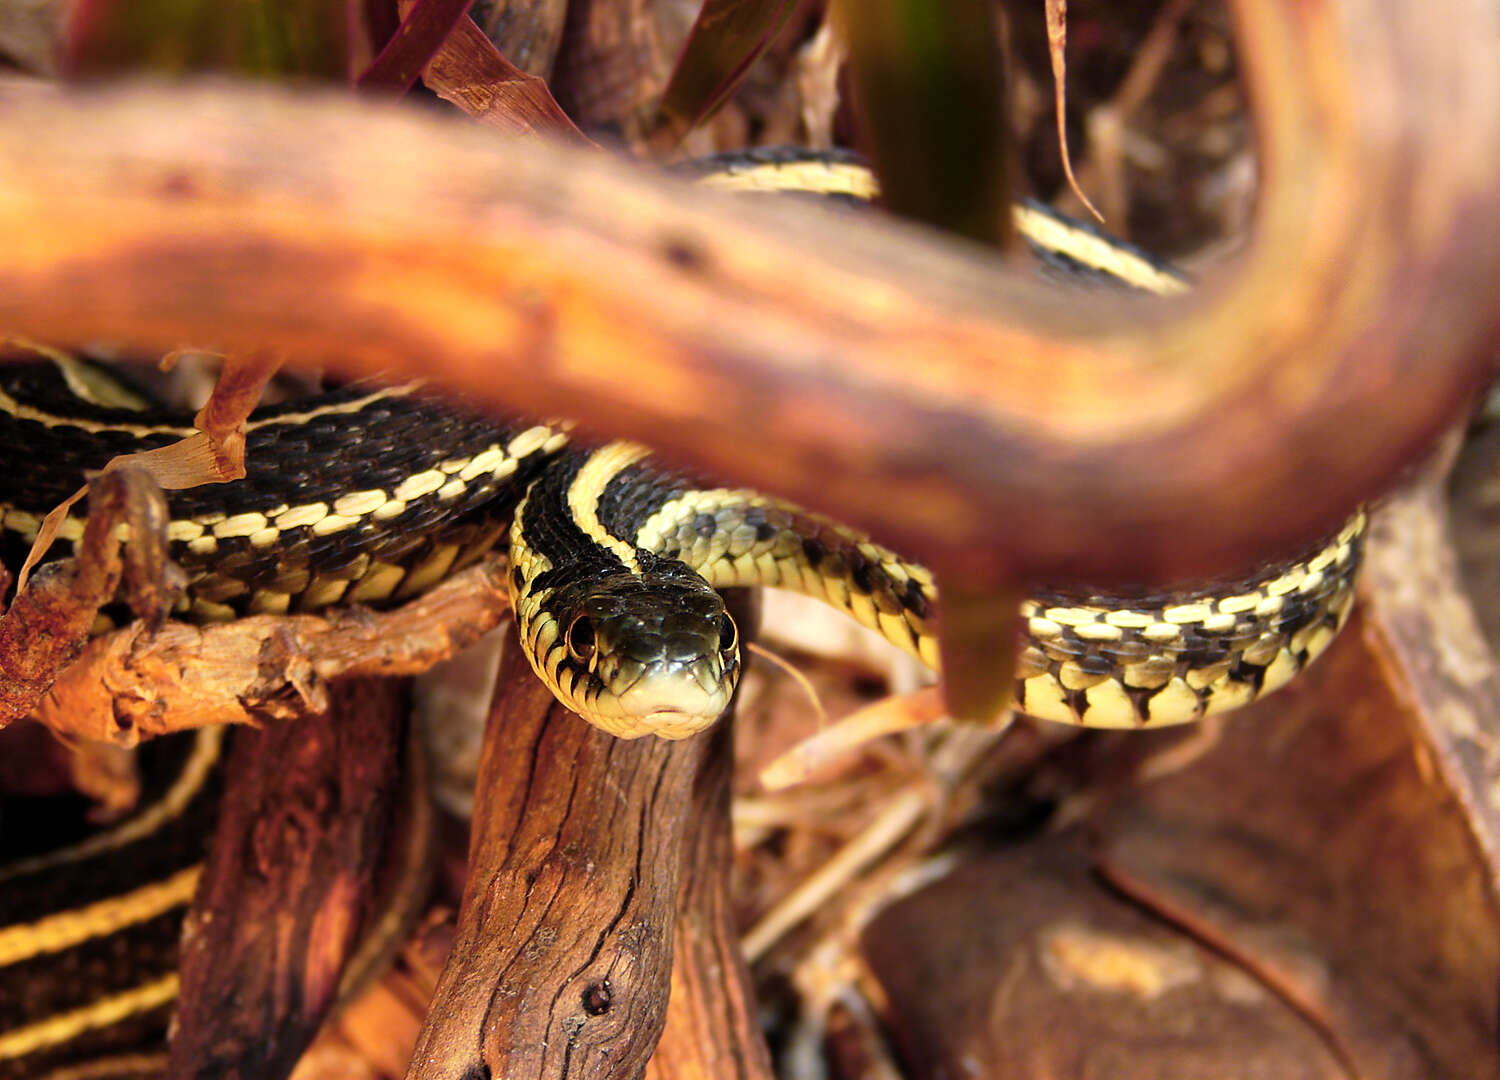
x=674 y=669
x=666 y=667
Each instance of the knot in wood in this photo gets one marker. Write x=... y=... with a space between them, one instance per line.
x=597 y=998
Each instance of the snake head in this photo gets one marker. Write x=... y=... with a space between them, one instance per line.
x=653 y=653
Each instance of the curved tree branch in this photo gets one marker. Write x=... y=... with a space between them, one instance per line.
x=908 y=384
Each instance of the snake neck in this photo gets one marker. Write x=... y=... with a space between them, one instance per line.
x=635 y=643
x=736 y=537
x=1100 y=661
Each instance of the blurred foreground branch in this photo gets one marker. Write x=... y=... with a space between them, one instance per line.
x=906 y=384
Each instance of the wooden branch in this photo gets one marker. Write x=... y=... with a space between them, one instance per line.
x=1422 y=629
x=712 y=1027
x=908 y=385
x=47 y=627
x=136 y=682
x=562 y=957
x=306 y=811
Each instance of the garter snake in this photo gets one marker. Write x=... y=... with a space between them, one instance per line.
x=89 y=926
x=371 y=494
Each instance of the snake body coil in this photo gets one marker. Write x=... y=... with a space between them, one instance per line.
x=370 y=495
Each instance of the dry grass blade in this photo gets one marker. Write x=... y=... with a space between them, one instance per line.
x=925 y=802
x=1057 y=43
x=425 y=27
x=798 y=764
x=792 y=672
x=725 y=40
x=1107 y=122
x=897 y=819
x=471 y=73
x=215 y=455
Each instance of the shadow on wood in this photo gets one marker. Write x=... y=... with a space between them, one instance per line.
x=307 y=809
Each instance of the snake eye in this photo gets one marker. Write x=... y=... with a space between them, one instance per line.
x=729 y=637
x=581 y=638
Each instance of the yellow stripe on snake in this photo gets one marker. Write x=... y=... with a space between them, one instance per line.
x=370 y=495
x=668 y=665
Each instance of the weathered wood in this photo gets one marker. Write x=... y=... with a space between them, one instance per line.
x=563 y=953
x=1306 y=891
x=904 y=384
x=611 y=61
x=1429 y=640
x=712 y=1031
x=307 y=808
x=48 y=625
x=136 y=683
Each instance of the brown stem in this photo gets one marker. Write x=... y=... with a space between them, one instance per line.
x=712 y=1028
x=48 y=624
x=136 y=682
x=306 y=811
x=562 y=956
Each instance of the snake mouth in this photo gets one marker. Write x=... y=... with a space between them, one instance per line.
x=663 y=723
x=672 y=703
x=658 y=654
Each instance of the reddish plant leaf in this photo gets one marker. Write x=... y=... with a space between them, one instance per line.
x=381 y=21
x=470 y=72
x=425 y=25
x=726 y=39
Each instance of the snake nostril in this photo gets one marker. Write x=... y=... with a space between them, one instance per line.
x=581 y=638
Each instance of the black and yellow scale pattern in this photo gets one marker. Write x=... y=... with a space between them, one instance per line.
x=372 y=494
x=368 y=495
x=1148 y=660
x=89 y=924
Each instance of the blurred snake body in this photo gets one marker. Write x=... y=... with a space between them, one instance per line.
x=372 y=494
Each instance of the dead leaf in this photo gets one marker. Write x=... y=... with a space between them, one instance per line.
x=469 y=72
x=1057 y=41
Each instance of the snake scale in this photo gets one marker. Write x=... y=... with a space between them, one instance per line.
x=370 y=494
